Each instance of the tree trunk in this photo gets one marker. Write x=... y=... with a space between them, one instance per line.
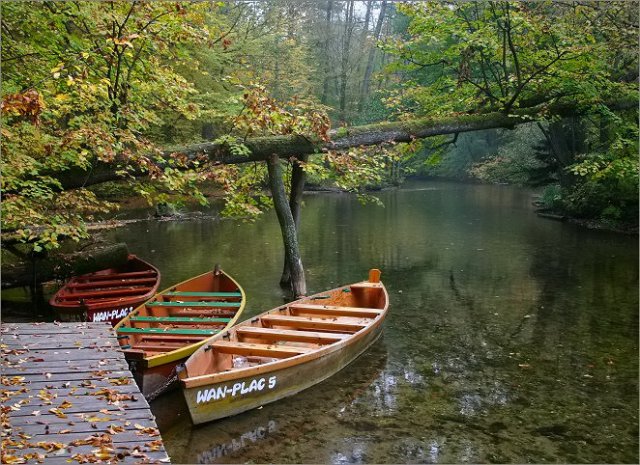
x=364 y=92
x=344 y=61
x=63 y=266
x=287 y=227
x=325 y=54
x=298 y=178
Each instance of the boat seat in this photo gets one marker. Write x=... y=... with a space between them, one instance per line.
x=193 y=304
x=272 y=334
x=202 y=294
x=205 y=313
x=157 y=347
x=106 y=293
x=331 y=310
x=366 y=286
x=180 y=320
x=113 y=283
x=184 y=332
x=130 y=274
x=308 y=322
x=258 y=350
x=183 y=339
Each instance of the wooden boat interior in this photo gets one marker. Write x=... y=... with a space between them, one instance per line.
x=108 y=285
x=180 y=316
x=293 y=329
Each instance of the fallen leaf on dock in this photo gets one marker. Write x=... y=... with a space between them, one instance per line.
x=57 y=413
x=65 y=405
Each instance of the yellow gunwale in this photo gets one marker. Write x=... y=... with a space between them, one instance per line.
x=177 y=354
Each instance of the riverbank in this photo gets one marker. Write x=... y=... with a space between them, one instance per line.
x=129 y=202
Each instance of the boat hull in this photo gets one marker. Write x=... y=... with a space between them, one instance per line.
x=111 y=313
x=227 y=398
x=156 y=380
x=164 y=331
x=107 y=295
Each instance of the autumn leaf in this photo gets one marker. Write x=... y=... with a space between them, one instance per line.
x=57 y=413
x=65 y=405
x=113 y=429
x=50 y=446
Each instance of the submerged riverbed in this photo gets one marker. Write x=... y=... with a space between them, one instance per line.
x=510 y=338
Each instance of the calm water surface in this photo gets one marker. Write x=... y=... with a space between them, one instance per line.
x=510 y=338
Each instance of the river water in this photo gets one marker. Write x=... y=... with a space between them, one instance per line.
x=510 y=338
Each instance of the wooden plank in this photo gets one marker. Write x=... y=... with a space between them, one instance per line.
x=105 y=277
x=331 y=310
x=60 y=328
x=258 y=350
x=202 y=294
x=87 y=389
x=53 y=344
x=47 y=378
x=79 y=408
x=57 y=355
x=313 y=323
x=366 y=286
x=180 y=320
x=63 y=367
x=204 y=312
x=91 y=415
x=169 y=337
x=103 y=293
x=62 y=429
x=272 y=334
x=203 y=332
x=113 y=283
x=149 y=347
x=194 y=304
x=79 y=382
x=48 y=399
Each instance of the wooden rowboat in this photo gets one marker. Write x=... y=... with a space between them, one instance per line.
x=167 y=329
x=283 y=351
x=107 y=295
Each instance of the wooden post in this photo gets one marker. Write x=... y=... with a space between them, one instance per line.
x=287 y=227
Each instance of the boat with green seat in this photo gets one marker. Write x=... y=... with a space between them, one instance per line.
x=167 y=329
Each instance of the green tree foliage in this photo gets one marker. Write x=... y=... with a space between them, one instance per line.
x=474 y=56
x=86 y=82
x=466 y=57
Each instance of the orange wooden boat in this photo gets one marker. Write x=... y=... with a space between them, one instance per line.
x=283 y=351
x=107 y=295
x=167 y=329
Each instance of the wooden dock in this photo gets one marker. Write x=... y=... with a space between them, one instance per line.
x=68 y=397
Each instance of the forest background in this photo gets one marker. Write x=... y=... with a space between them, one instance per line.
x=94 y=91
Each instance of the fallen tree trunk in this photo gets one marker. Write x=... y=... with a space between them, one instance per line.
x=61 y=266
x=261 y=148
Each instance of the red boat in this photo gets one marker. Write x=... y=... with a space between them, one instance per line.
x=107 y=295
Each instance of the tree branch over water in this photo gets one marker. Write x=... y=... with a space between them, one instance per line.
x=261 y=148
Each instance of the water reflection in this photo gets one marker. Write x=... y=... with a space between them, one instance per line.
x=257 y=434
x=220 y=450
x=506 y=332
